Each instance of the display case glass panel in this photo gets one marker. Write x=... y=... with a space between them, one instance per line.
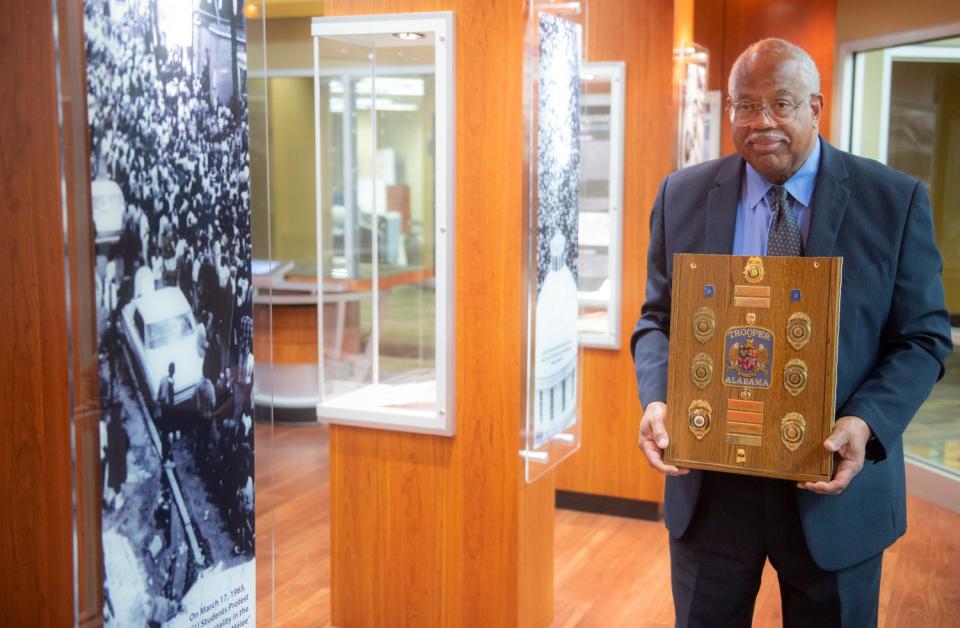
x=601 y=200
x=554 y=44
x=384 y=132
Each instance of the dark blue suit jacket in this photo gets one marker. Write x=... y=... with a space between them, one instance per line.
x=894 y=328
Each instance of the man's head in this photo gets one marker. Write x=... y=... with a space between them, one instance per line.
x=775 y=104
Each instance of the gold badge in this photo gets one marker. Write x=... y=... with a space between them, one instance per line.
x=799 y=327
x=704 y=324
x=699 y=412
x=795 y=376
x=792 y=429
x=701 y=370
x=753 y=271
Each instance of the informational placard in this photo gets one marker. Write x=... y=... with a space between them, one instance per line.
x=557 y=211
x=169 y=164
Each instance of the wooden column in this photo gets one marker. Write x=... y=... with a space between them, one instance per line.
x=36 y=532
x=609 y=462
x=432 y=531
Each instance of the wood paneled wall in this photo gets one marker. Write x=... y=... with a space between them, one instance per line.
x=432 y=531
x=36 y=583
x=726 y=27
x=609 y=461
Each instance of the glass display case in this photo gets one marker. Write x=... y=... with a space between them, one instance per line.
x=601 y=202
x=552 y=112
x=384 y=119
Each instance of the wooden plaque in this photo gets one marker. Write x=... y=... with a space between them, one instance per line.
x=753 y=364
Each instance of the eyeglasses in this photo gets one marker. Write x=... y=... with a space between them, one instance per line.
x=782 y=111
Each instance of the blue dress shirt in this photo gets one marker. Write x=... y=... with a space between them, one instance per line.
x=755 y=208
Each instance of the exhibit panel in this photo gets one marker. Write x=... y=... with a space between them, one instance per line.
x=384 y=175
x=694 y=110
x=601 y=204
x=552 y=114
x=168 y=183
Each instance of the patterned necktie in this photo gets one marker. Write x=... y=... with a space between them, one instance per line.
x=784 y=236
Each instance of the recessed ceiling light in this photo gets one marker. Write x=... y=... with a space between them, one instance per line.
x=409 y=36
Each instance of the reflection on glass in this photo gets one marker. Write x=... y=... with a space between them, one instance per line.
x=924 y=141
x=907 y=114
x=378 y=211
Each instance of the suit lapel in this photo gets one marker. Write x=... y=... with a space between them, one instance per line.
x=722 y=207
x=829 y=204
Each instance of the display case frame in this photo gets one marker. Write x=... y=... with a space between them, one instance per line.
x=347 y=409
x=613 y=72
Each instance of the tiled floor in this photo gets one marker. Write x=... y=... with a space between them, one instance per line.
x=934 y=435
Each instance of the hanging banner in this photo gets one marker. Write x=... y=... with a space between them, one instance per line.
x=171 y=207
x=558 y=204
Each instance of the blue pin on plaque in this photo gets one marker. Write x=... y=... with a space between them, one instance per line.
x=794 y=295
x=708 y=290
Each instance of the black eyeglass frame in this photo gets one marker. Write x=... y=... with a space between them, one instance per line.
x=766 y=109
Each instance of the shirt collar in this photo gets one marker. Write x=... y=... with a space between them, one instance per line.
x=800 y=185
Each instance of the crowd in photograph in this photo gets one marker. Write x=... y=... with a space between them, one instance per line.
x=179 y=155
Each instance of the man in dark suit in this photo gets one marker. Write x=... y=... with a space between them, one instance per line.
x=789 y=192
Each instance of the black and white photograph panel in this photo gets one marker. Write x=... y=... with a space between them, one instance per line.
x=558 y=205
x=171 y=206
x=693 y=115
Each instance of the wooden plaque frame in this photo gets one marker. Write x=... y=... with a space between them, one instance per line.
x=753 y=364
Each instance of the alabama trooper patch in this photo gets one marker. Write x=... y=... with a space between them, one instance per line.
x=748 y=354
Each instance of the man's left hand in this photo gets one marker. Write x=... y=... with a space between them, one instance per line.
x=849 y=442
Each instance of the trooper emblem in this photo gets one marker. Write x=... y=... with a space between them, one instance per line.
x=749 y=351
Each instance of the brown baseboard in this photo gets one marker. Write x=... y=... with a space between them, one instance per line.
x=605 y=505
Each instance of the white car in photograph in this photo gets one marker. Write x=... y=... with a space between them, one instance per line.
x=108 y=205
x=161 y=329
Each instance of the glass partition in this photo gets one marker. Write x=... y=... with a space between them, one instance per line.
x=906 y=113
x=552 y=197
x=384 y=173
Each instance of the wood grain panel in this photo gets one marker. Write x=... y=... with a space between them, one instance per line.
x=726 y=27
x=818 y=283
x=36 y=583
x=429 y=531
x=609 y=462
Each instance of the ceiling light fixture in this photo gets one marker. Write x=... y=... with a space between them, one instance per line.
x=409 y=36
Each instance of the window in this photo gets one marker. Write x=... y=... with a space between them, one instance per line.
x=906 y=113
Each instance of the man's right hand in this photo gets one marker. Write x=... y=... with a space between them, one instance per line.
x=654 y=439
